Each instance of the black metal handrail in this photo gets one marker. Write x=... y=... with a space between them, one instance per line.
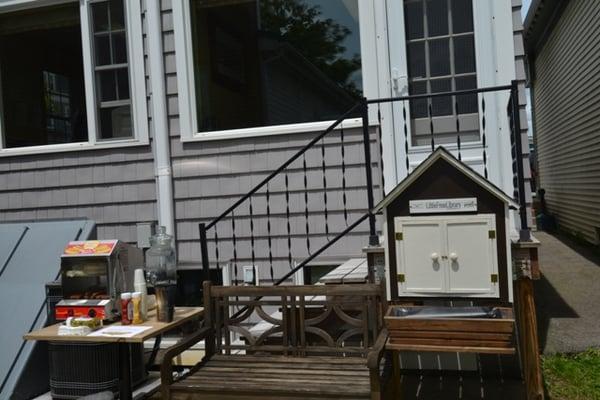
x=284 y=165
x=440 y=94
x=363 y=107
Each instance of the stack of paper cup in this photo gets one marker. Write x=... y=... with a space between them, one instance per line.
x=139 y=285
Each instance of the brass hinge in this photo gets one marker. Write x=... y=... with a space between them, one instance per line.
x=399 y=236
x=492 y=234
x=494 y=278
x=400 y=278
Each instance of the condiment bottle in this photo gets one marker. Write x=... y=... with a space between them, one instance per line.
x=136 y=299
x=126 y=308
x=139 y=285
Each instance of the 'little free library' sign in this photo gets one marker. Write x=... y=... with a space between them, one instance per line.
x=439 y=206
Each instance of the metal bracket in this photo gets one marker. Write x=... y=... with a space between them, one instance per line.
x=400 y=277
x=492 y=234
x=399 y=236
x=494 y=278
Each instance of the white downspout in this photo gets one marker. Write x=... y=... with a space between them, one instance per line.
x=161 y=145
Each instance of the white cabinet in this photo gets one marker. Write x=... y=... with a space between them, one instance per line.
x=447 y=256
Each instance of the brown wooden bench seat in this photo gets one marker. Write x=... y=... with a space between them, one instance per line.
x=229 y=376
x=324 y=342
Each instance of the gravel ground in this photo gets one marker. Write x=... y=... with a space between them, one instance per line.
x=567 y=296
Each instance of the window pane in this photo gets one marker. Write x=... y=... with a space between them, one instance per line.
x=413 y=16
x=102 y=50
x=439 y=57
x=261 y=63
x=437 y=17
x=117 y=20
x=100 y=16
x=441 y=105
x=464 y=54
x=418 y=108
x=119 y=48
x=107 y=85
x=123 y=83
x=42 y=77
x=416 y=56
x=466 y=103
x=115 y=122
x=462 y=16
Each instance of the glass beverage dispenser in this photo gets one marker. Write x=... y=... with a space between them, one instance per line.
x=161 y=272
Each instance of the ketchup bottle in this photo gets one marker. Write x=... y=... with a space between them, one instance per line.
x=126 y=308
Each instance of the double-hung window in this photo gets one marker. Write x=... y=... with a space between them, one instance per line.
x=71 y=76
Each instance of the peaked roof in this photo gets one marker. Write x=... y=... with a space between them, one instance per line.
x=442 y=153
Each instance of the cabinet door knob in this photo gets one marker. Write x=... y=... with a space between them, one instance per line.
x=435 y=256
x=453 y=256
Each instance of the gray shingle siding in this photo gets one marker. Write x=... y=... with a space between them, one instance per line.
x=114 y=187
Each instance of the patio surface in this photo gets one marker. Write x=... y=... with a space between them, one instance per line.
x=568 y=295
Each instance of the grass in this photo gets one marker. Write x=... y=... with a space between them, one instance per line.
x=573 y=376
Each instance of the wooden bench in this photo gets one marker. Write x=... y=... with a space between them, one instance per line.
x=320 y=342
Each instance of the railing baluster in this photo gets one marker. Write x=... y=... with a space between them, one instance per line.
x=344 y=198
x=287 y=213
x=269 y=240
x=380 y=152
x=306 y=204
x=234 y=239
x=217 y=249
x=483 y=137
x=251 y=212
x=430 y=112
x=525 y=234
x=405 y=136
x=323 y=168
x=457 y=128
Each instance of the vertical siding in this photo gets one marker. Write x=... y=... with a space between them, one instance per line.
x=567 y=118
x=114 y=187
x=209 y=176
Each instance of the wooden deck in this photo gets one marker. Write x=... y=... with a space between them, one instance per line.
x=467 y=386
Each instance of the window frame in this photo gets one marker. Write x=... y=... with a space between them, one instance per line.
x=420 y=124
x=137 y=81
x=184 y=60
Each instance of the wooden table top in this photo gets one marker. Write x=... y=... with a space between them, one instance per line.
x=182 y=315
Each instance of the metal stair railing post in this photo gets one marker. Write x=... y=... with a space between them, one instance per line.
x=373 y=238
x=204 y=252
x=514 y=93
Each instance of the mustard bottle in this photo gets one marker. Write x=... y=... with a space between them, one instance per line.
x=136 y=299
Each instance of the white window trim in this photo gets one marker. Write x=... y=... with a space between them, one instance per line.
x=184 y=60
x=137 y=81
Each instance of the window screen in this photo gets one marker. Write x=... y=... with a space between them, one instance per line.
x=441 y=56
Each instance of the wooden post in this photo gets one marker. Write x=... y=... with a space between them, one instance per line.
x=528 y=339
